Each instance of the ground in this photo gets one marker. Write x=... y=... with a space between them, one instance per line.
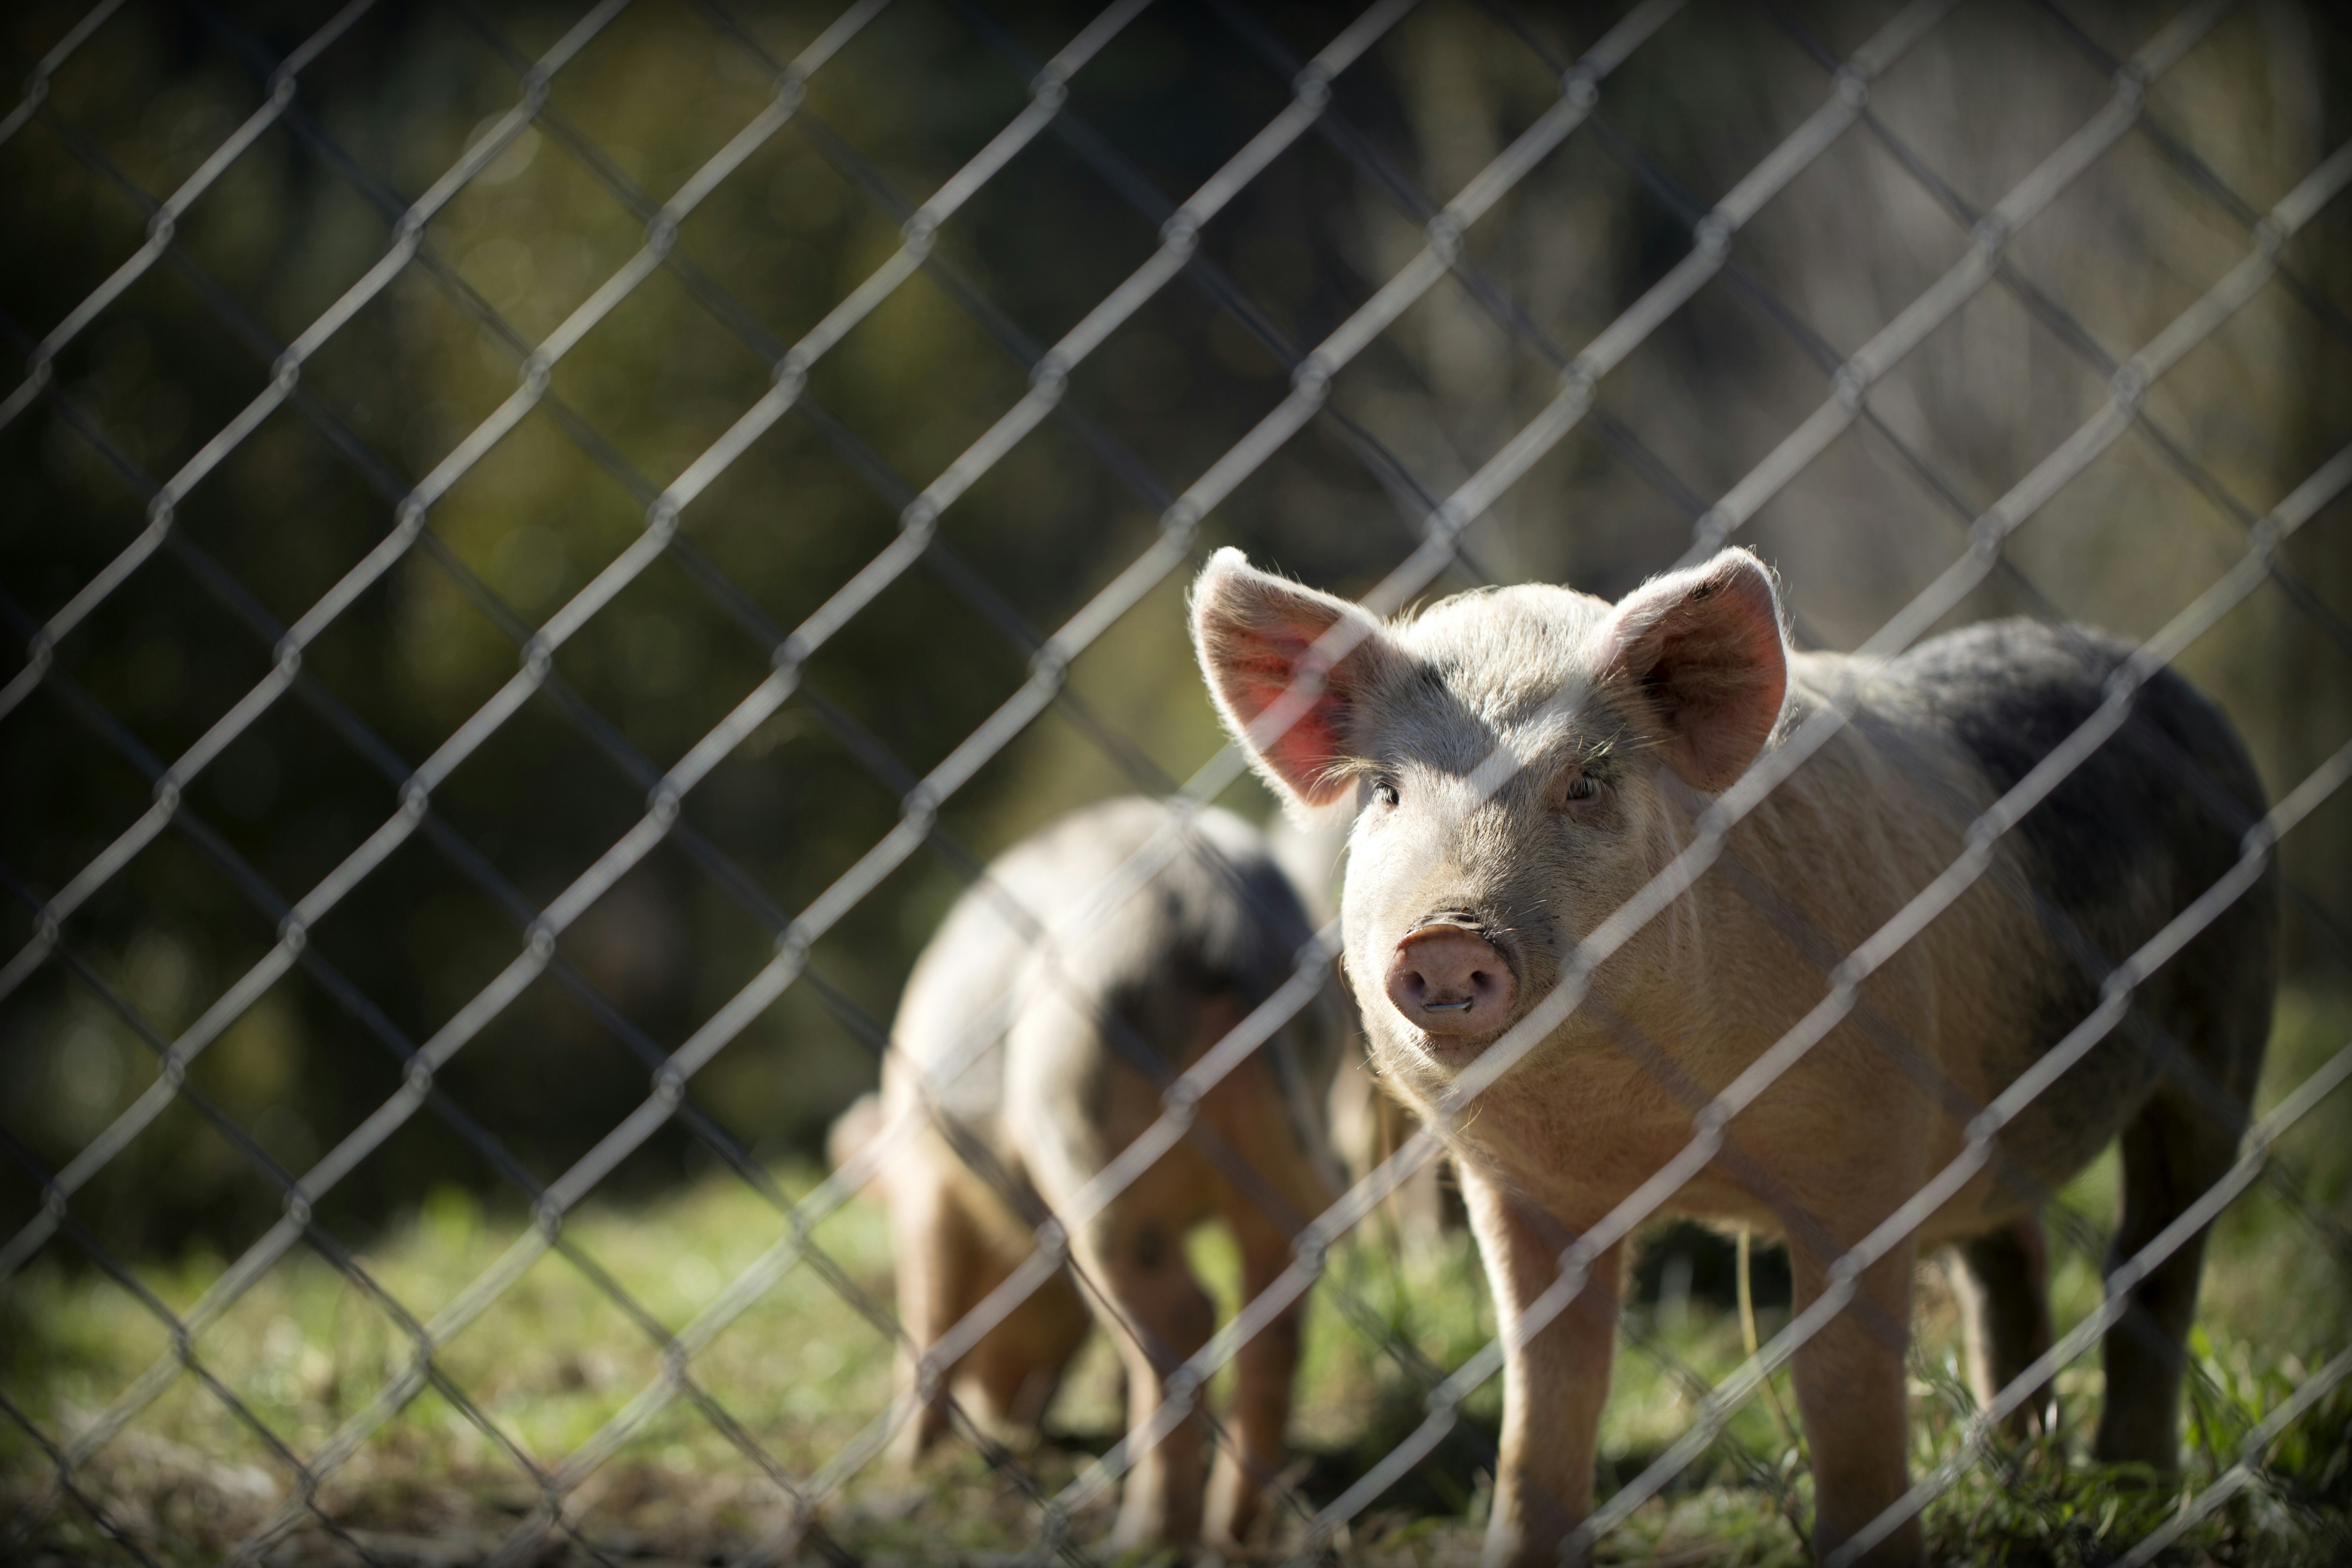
x=804 y=1373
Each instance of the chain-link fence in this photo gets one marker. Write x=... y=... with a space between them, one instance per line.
x=475 y=642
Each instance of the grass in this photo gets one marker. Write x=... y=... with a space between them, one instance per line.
x=804 y=1372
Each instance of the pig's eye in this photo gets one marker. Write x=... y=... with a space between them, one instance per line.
x=1384 y=791
x=1583 y=786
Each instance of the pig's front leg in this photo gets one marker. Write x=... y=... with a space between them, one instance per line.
x=1555 y=1380
x=1849 y=1390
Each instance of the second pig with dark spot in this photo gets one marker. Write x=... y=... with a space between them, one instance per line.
x=1031 y=1048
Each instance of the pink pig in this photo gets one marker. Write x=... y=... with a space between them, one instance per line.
x=1524 y=759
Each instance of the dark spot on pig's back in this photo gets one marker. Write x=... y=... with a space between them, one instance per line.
x=2123 y=840
x=2141 y=827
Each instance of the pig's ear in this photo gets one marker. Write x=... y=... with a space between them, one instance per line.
x=1259 y=637
x=1699 y=654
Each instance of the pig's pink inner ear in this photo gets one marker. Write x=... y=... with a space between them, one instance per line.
x=1258 y=640
x=1702 y=654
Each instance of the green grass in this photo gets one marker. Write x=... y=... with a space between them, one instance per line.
x=802 y=1373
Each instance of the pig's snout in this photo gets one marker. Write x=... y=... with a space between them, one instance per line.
x=1449 y=981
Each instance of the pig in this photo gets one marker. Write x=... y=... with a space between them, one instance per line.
x=1465 y=893
x=1069 y=1023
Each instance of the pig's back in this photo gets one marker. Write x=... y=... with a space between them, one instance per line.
x=2144 y=822
x=1220 y=915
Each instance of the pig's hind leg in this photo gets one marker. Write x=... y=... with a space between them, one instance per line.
x=1018 y=1364
x=2004 y=1288
x=937 y=1251
x=1160 y=1316
x=2206 y=1018
x=1137 y=1281
x=2172 y=1151
x=1289 y=1188
x=950 y=1259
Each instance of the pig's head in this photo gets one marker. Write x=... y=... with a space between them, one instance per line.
x=1521 y=761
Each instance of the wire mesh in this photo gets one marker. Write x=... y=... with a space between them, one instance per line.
x=804 y=1504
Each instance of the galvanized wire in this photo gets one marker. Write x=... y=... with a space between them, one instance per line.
x=1439 y=526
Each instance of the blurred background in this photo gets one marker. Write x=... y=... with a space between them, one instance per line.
x=402 y=90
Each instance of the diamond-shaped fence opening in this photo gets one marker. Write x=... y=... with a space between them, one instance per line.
x=550 y=547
